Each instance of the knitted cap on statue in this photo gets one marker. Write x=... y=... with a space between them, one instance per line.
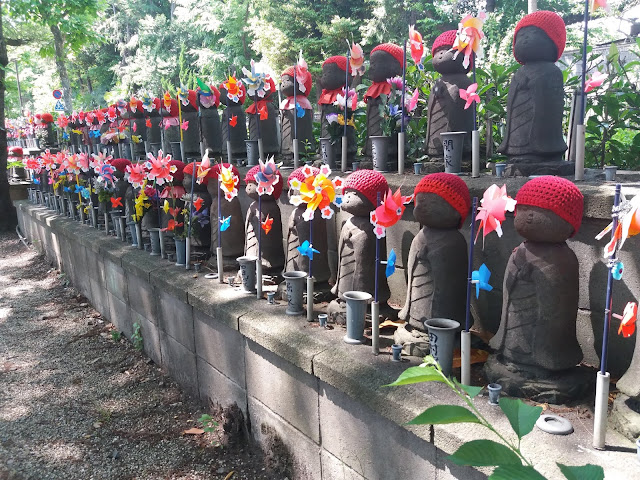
x=251 y=177
x=549 y=22
x=451 y=188
x=446 y=40
x=369 y=183
x=306 y=81
x=385 y=62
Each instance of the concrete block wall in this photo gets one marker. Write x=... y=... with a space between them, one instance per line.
x=299 y=386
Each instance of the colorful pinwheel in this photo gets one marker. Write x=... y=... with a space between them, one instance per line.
x=166 y=100
x=481 y=278
x=470 y=95
x=317 y=192
x=228 y=182
x=628 y=224
x=388 y=212
x=160 y=169
x=356 y=59
x=301 y=74
x=417 y=47
x=267 y=176
x=307 y=249
x=203 y=168
x=135 y=174
x=469 y=37
x=147 y=103
x=495 y=203
x=234 y=92
x=255 y=81
x=183 y=95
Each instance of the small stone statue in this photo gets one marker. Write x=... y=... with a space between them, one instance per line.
x=191 y=135
x=437 y=267
x=120 y=190
x=304 y=124
x=138 y=128
x=385 y=62
x=332 y=81
x=536 y=346
x=446 y=108
x=272 y=248
x=171 y=128
x=533 y=139
x=232 y=248
x=203 y=237
x=210 y=120
x=234 y=121
x=357 y=244
x=268 y=125
x=154 y=132
x=298 y=233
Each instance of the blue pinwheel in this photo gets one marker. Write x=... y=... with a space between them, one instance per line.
x=78 y=189
x=94 y=133
x=299 y=110
x=67 y=189
x=86 y=193
x=65 y=136
x=225 y=223
x=391 y=263
x=35 y=180
x=481 y=278
x=307 y=249
x=617 y=270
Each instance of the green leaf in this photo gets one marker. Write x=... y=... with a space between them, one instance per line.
x=468 y=389
x=511 y=472
x=417 y=375
x=522 y=417
x=441 y=414
x=484 y=453
x=585 y=472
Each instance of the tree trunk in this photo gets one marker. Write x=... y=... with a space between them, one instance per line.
x=58 y=45
x=8 y=219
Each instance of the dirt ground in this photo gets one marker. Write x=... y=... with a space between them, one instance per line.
x=78 y=401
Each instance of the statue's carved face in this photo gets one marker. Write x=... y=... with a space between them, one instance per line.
x=286 y=82
x=541 y=225
x=252 y=190
x=383 y=65
x=533 y=45
x=443 y=61
x=356 y=203
x=431 y=210
x=332 y=77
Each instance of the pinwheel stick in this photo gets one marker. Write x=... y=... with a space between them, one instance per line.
x=475 y=136
x=131 y=149
x=310 y=276
x=219 y=249
x=465 y=335
x=260 y=147
x=188 y=242
x=580 y=129
x=402 y=106
x=296 y=153
x=259 y=263
x=200 y=136
x=375 y=293
x=602 y=379
x=181 y=140
x=344 y=134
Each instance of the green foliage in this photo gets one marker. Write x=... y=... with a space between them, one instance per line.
x=136 y=337
x=116 y=335
x=506 y=456
x=209 y=426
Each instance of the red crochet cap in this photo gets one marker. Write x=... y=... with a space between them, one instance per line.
x=392 y=49
x=297 y=174
x=178 y=175
x=215 y=170
x=369 y=183
x=46 y=118
x=446 y=39
x=339 y=60
x=306 y=81
x=551 y=23
x=15 y=151
x=120 y=164
x=192 y=97
x=173 y=110
x=450 y=187
x=251 y=177
x=557 y=194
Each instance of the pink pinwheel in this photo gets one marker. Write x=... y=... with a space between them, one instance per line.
x=160 y=170
x=32 y=163
x=412 y=102
x=106 y=174
x=356 y=59
x=112 y=115
x=84 y=162
x=185 y=125
x=89 y=117
x=302 y=71
x=136 y=174
x=468 y=37
x=267 y=176
x=48 y=160
x=417 y=47
x=70 y=164
x=388 y=212
x=63 y=121
x=495 y=203
x=470 y=95
x=98 y=160
x=595 y=81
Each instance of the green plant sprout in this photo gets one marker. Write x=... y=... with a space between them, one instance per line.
x=116 y=335
x=136 y=337
x=507 y=457
x=209 y=426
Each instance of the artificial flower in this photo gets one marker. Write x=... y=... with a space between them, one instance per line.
x=494 y=205
x=469 y=37
x=470 y=95
x=417 y=47
x=594 y=82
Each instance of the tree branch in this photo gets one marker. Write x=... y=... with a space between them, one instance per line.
x=16 y=42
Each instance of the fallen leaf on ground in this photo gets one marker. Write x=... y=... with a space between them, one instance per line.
x=194 y=431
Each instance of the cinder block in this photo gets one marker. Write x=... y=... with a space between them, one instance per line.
x=115 y=280
x=280 y=438
x=218 y=389
x=289 y=391
x=142 y=297
x=95 y=267
x=176 y=319
x=150 y=336
x=180 y=362
x=99 y=298
x=334 y=469
x=221 y=346
x=361 y=438
x=119 y=315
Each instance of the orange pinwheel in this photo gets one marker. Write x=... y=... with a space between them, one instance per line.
x=318 y=192
x=266 y=225
x=388 y=212
x=469 y=37
x=233 y=121
x=198 y=203
x=628 y=225
x=167 y=102
x=595 y=4
x=228 y=182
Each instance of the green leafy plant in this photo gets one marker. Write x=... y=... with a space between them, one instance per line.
x=116 y=335
x=136 y=337
x=209 y=425
x=505 y=456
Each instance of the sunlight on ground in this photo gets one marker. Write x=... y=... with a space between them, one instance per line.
x=59 y=451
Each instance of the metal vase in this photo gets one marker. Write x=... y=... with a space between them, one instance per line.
x=248 y=272
x=379 y=152
x=181 y=252
x=452 y=144
x=442 y=333
x=253 y=153
x=356 y=310
x=154 y=234
x=327 y=152
x=134 y=234
x=295 y=287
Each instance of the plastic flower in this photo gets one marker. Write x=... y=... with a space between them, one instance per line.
x=317 y=192
x=267 y=176
x=135 y=174
x=340 y=100
x=388 y=212
x=356 y=59
x=494 y=204
x=469 y=37
x=228 y=182
x=256 y=82
x=232 y=86
x=331 y=117
x=395 y=82
x=594 y=82
x=470 y=95
x=417 y=47
x=159 y=168
x=628 y=324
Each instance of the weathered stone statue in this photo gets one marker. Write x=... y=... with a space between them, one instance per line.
x=536 y=346
x=44 y=131
x=234 y=121
x=191 y=135
x=624 y=415
x=171 y=128
x=232 y=246
x=533 y=139
x=446 y=108
x=437 y=267
x=357 y=244
x=385 y=62
x=305 y=123
x=272 y=249
x=138 y=127
x=268 y=125
x=210 y=121
x=332 y=81
x=121 y=185
x=298 y=233
x=154 y=132
x=203 y=236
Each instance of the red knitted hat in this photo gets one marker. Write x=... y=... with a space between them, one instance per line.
x=557 y=194
x=369 y=183
x=46 y=118
x=338 y=60
x=445 y=39
x=178 y=175
x=120 y=164
x=15 y=151
x=307 y=79
x=392 y=49
x=450 y=187
x=173 y=109
x=215 y=170
x=297 y=174
x=551 y=23
x=192 y=97
x=251 y=177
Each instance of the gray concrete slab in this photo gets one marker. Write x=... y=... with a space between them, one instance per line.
x=221 y=302
x=215 y=388
x=335 y=469
x=120 y=315
x=142 y=297
x=115 y=280
x=180 y=363
x=150 y=336
x=176 y=319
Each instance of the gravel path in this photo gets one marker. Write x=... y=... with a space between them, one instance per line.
x=76 y=402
